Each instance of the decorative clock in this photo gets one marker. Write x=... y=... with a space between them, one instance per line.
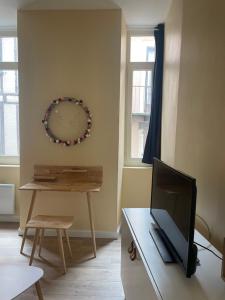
x=67 y=121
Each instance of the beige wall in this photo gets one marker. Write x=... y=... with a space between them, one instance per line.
x=121 y=115
x=200 y=143
x=173 y=34
x=75 y=53
x=136 y=190
x=11 y=175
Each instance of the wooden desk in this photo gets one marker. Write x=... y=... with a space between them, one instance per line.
x=65 y=179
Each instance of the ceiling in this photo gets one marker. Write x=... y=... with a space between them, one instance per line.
x=136 y=12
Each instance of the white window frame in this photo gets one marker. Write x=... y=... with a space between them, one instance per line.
x=5 y=159
x=133 y=66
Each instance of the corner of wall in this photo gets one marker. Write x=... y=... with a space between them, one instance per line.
x=172 y=54
x=121 y=114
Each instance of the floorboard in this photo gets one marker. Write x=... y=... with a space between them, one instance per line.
x=87 y=278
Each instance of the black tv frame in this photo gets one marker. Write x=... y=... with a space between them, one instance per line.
x=163 y=244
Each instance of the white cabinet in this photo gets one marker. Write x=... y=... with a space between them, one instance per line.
x=136 y=281
x=147 y=277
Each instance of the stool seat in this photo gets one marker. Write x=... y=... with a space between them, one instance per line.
x=60 y=223
x=50 y=222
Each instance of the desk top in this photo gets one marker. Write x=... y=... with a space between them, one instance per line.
x=65 y=178
x=62 y=186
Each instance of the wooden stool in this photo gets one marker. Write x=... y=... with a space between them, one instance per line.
x=59 y=223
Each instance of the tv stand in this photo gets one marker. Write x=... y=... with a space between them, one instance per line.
x=161 y=244
x=145 y=276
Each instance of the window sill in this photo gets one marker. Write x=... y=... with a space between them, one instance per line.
x=136 y=163
x=138 y=167
x=9 y=160
x=9 y=166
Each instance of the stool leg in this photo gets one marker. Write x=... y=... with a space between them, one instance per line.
x=59 y=233
x=34 y=245
x=28 y=218
x=23 y=241
x=68 y=242
x=39 y=291
x=91 y=222
x=41 y=240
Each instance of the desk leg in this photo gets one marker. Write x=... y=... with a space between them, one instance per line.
x=61 y=250
x=28 y=218
x=91 y=221
x=39 y=291
x=41 y=236
x=37 y=232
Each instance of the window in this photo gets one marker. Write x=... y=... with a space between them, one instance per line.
x=9 y=100
x=140 y=65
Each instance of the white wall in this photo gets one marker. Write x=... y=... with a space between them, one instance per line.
x=71 y=53
x=121 y=115
x=172 y=53
x=199 y=144
x=136 y=188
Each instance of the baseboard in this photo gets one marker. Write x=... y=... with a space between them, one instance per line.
x=9 y=218
x=77 y=233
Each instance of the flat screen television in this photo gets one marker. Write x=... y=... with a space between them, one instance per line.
x=173 y=204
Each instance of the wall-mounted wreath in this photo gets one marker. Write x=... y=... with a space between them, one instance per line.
x=53 y=108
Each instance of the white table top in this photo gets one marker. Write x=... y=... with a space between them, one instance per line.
x=14 y=280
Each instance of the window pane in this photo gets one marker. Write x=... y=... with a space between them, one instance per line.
x=9 y=91
x=1 y=81
x=142 y=49
x=9 y=82
x=139 y=131
x=141 y=109
x=141 y=92
x=12 y=99
x=8 y=50
x=10 y=130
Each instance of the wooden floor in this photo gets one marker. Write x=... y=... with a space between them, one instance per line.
x=86 y=279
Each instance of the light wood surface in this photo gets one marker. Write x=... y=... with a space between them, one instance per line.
x=61 y=250
x=91 y=222
x=44 y=178
x=39 y=291
x=14 y=280
x=36 y=236
x=41 y=237
x=71 y=173
x=66 y=178
x=55 y=186
x=86 y=278
x=68 y=242
x=28 y=218
x=50 y=222
x=59 y=223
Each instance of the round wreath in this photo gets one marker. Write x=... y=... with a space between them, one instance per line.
x=52 y=136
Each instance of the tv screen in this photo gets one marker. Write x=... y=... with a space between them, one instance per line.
x=173 y=203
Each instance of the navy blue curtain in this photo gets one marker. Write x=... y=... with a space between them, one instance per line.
x=153 y=141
